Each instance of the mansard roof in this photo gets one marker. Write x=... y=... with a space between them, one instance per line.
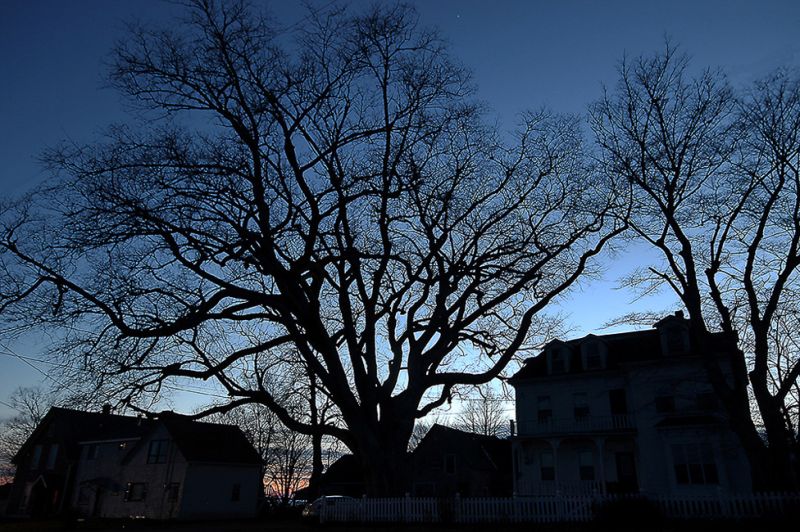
x=622 y=348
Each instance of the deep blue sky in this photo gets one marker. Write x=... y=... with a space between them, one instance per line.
x=524 y=54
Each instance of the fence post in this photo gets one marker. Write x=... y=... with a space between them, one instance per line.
x=322 y=510
x=407 y=508
x=457 y=508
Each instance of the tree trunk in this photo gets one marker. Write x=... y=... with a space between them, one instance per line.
x=316 y=436
x=781 y=466
x=735 y=400
x=383 y=455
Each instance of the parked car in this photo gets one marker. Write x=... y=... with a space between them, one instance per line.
x=313 y=510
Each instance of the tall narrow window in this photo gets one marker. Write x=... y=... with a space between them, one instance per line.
x=545 y=412
x=157 y=452
x=586 y=465
x=594 y=360
x=558 y=362
x=581 y=405
x=618 y=402
x=547 y=467
x=37 y=456
x=52 y=455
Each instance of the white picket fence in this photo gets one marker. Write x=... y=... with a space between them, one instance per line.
x=551 y=509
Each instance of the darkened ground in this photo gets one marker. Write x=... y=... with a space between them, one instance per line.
x=299 y=526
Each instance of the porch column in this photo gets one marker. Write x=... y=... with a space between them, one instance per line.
x=601 y=448
x=554 y=445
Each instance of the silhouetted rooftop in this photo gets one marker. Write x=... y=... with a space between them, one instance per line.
x=622 y=348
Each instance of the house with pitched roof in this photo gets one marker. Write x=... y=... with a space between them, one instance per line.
x=448 y=461
x=628 y=412
x=46 y=463
x=110 y=466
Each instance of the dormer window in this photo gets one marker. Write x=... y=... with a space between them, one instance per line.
x=558 y=359
x=674 y=332
x=593 y=353
x=559 y=363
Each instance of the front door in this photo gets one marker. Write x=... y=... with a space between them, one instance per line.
x=626 y=472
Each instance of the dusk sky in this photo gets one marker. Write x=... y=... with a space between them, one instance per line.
x=524 y=55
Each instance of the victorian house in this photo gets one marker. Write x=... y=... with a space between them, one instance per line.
x=629 y=412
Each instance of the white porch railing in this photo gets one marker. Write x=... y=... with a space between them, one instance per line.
x=588 y=424
x=551 y=509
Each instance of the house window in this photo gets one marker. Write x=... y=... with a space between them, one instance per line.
x=236 y=492
x=37 y=456
x=675 y=340
x=665 y=404
x=581 y=405
x=529 y=454
x=136 y=491
x=52 y=455
x=586 y=465
x=157 y=452
x=594 y=360
x=450 y=464
x=171 y=491
x=694 y=464
x=618 y=402
x=91 y=452
x=546 y=466
x=558 y=361
x=545 y=409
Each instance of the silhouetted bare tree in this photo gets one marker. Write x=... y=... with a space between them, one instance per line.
x=339 y=198
x=714 y=181
x=31 y=405
x=484 y=412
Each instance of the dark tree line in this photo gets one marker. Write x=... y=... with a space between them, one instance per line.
x=330 y=203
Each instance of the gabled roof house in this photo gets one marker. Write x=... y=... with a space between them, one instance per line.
x=112 y=466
